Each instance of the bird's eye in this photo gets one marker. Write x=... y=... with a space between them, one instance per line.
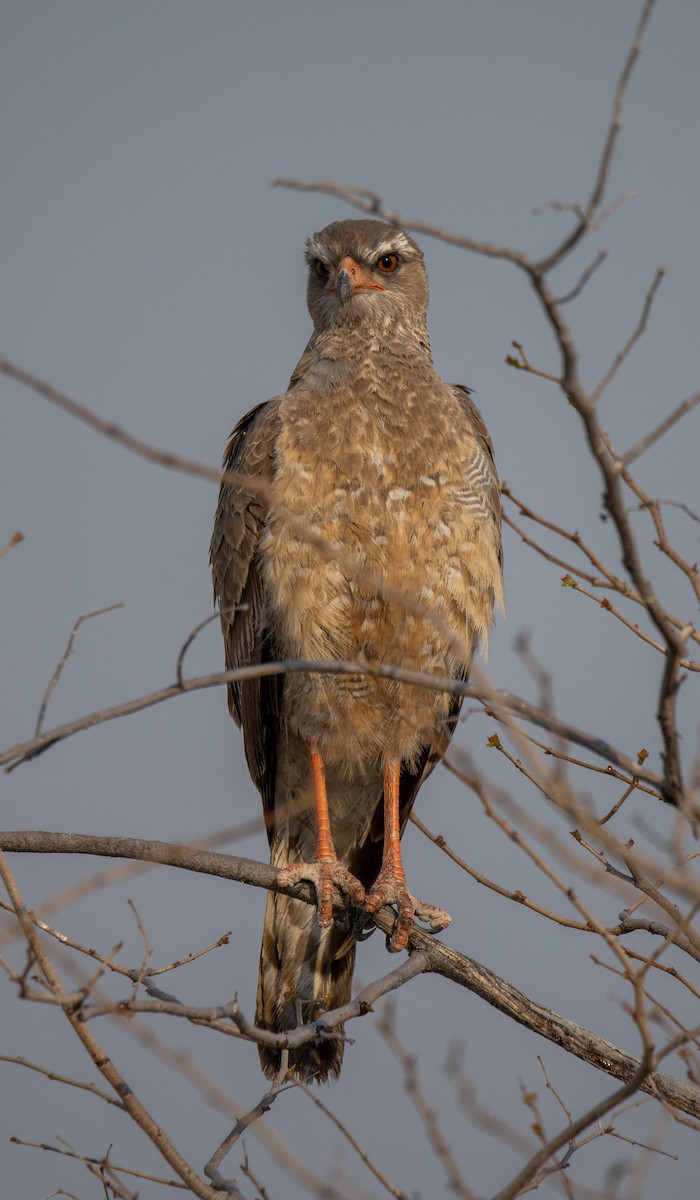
x=387 y=263
x=320 y=269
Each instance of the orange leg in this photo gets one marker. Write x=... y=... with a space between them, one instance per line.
x=390 y=885
x=326 y=871
x=324 y=838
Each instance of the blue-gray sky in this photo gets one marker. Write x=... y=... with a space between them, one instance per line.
x=149 y=271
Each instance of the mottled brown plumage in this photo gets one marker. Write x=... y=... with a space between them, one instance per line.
x=372 y=453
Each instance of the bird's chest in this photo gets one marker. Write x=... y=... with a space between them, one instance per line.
x=366 y=508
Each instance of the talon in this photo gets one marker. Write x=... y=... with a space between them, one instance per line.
x=360 y=927
x=389 y=889
x=324 y=875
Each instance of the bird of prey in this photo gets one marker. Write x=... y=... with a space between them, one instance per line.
x=369 y=533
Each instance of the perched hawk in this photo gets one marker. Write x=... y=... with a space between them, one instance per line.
x=374 y=538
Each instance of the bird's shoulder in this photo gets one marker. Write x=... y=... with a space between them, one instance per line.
x=463 y=396
x=250 y=448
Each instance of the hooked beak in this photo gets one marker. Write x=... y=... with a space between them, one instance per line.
x=351 y=279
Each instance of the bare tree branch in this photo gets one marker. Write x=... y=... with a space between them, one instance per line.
x=662 y=428
x=632 y=340
x=436 y=957
x=601 y=182
x=25 y=751
x=583 y=279
x=104 y=1064
x=64 y=659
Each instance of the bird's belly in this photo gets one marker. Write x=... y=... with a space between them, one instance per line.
x=368 y=578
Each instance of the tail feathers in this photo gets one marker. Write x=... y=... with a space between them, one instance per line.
x=304 y=972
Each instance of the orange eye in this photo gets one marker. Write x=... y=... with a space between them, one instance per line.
x=320 y=269
x=387 y=263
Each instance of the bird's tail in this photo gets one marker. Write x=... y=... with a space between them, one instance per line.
x=304 y=972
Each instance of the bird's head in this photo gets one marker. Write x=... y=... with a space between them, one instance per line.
x=366 y=273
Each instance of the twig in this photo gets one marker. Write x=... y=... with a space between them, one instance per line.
x=516 y=896
x=538 y=1160
x=583 y=279
x=66 y=655
x=362 y=1155
x=663 y=427
x=688 y=664
x=443 y=1152
x=372 y=203
x=108 y=429
x=102 y=1061
x=439 y=958
x=601 y=181
x=247 y=1171
x=211 y=1168
x=188 y=642
x=14 y=541
x=110 y=876
x=632 y=340
x=522 y=364
x=58 y=1078
x=24 y=751
x=678 y=504
x=490 y=1122
x=99 y=1162
x=654 y=509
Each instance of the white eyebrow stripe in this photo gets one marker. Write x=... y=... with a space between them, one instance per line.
x=398 y=242
x=316 y=249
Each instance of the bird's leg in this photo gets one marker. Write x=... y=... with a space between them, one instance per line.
x=326 y=871
x=390 y=884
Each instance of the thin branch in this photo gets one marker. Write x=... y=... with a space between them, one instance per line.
x=616 y=122
x=522 y=364
x=192 y=635
x=654 y=509
x=66 y=655
x=587 y=215
x=58 y=1078
x=10 y=545
x=688 y=664
x=110 y=876
x=608 y=580
x=483 y=1119
x=538 y=1160
x=663 y=427
x=372 y=204
x=98 y=1162
x=104 y=1064
x=362 y=1155
x=583 y=279
x=211 y=1168
x=438 y=958
x=625 y=926
x=685 y=508
x=632 y=340
x=441 y=1148
x=109 y=429
x=673 y=786
x=24 y=751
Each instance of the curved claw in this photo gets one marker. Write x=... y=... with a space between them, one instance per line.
x=389 y=890
x=361 y=928
x=325 y=875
